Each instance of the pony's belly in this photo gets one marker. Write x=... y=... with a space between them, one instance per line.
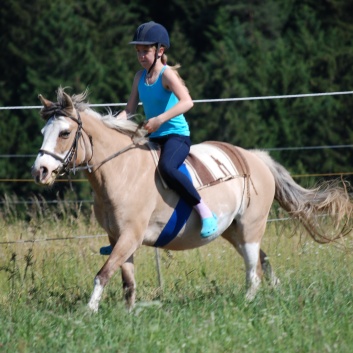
x=225 y=201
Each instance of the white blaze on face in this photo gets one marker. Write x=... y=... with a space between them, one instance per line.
x=51 y=132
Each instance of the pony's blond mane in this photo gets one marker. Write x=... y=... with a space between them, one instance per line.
x=125 y=126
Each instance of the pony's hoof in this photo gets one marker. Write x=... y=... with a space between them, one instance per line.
x=209 y=226
x=106 y=250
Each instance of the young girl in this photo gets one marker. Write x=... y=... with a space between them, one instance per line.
x=165 y=99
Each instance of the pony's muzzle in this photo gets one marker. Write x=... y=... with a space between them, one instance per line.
x=39 y=174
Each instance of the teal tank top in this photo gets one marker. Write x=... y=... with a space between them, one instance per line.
x=156 y=100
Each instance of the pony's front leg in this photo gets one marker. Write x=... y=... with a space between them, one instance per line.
x=129 y=284
x=96 y=296
x=122 y=251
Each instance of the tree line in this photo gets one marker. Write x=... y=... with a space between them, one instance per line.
x=227 y=49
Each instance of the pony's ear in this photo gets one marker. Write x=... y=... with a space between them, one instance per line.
x=45 y=102
x=48 y=109
x=67 y=102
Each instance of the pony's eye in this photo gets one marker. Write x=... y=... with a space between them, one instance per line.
x=64 y=134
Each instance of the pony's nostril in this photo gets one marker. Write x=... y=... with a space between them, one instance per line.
x=43 y=172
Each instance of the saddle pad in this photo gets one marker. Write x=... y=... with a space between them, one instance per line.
x=210 y=163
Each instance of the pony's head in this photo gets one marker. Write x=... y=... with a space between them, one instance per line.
x=62 y=137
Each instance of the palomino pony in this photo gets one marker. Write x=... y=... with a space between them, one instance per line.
x=135 y=208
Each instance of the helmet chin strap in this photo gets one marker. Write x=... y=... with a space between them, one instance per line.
x=155 y=58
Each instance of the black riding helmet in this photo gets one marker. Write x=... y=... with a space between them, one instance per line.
x=151 y=33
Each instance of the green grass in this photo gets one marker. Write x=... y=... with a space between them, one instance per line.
x=45 y=288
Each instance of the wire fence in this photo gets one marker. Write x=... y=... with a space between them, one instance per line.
x=217 y=100
x=77 y=237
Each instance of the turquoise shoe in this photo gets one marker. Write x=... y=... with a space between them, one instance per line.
x=106 y=250
x=209 y=226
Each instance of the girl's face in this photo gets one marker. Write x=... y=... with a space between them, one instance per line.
x=145 y=55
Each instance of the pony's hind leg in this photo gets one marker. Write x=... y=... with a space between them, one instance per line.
x=250 y=252
x=267 y=270
x=251 y=256
x=129 y=284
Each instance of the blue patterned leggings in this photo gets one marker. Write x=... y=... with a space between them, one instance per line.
x=174 y=150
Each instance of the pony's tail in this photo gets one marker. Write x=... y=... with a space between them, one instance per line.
x=312 y=207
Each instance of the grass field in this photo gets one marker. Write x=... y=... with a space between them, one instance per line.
x=45 y=286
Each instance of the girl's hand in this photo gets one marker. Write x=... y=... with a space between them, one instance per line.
x=153 y=124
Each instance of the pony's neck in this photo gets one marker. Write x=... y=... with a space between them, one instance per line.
x=121 y=170
x=107 y=147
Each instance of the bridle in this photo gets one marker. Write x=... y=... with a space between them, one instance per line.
x=72 y=152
